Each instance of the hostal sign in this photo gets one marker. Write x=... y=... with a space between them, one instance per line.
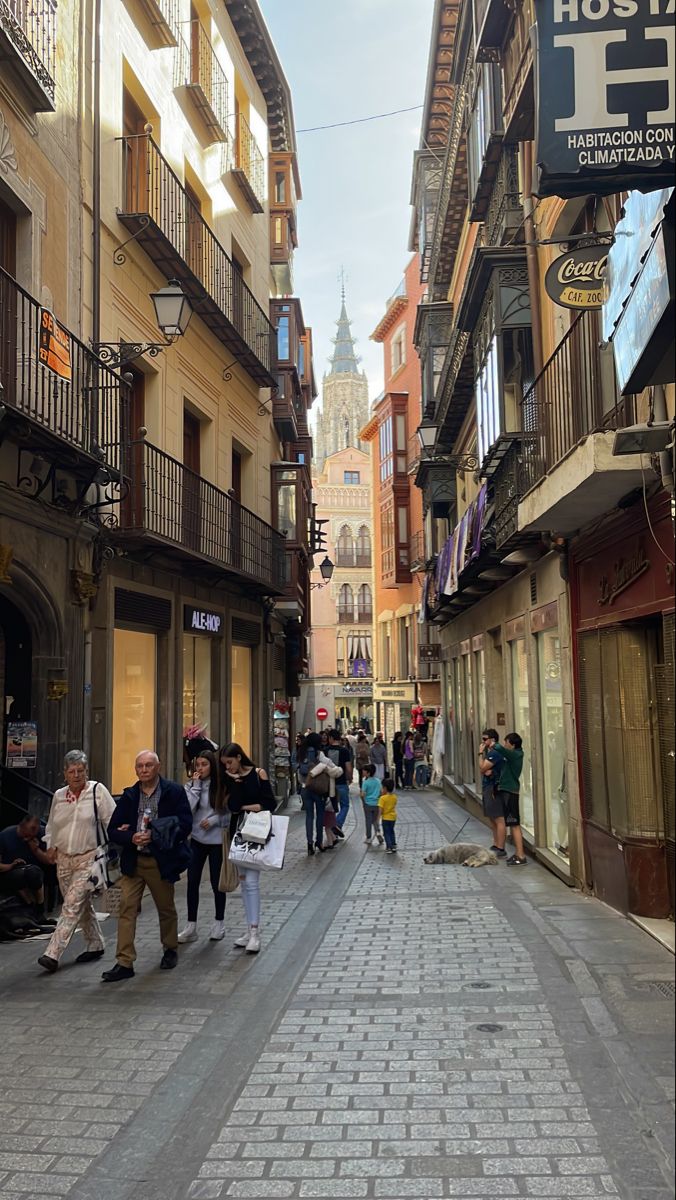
x=606 y=73
x=575 y=280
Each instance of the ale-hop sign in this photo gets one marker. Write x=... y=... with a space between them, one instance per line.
x=575 y=280
x=605 y=95
x=54 y=348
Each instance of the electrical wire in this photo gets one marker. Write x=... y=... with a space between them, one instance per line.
x=647 y=514
x=362 y=120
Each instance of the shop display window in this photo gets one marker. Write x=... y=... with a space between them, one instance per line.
x=134 y=702
x=241 y=696
x=553 y=742
x=521 y=709
x=197 y=653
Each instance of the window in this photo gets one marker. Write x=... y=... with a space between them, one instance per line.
x=521 y=708
x=345 y=548
x=363 y=547
x=392 y=446
x=387 y=536
x=398 y=350
x=351 y=477
x=553 y=742
x=241 y=694
x=364 y=603
x=134 y=699
x=385 y=445
x=345 y=603
x=280 y=187
x=489 y=399
x=196 y=680
x=283 y=339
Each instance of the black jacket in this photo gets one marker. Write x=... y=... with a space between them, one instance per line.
x=173 y=803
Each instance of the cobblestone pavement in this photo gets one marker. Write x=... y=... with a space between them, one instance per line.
x=407 y=1031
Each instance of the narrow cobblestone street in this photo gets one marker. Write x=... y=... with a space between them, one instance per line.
x=407 y=1031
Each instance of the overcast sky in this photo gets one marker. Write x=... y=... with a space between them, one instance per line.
x=348 y=59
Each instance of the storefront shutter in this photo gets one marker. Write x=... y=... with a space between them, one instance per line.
x=666 y=720
x=142 y=609
x=245 y=633
x=591 y=731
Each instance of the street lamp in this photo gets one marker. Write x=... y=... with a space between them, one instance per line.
x=427 y=436
x=326 y=570
x=172 y=313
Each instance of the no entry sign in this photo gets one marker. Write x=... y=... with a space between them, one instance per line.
x=322 y=714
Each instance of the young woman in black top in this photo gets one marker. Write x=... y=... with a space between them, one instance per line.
x=245 y=788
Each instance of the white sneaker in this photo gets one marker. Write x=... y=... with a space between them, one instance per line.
x=217 y=931
x=367 y=841
x=254 y=943
x=189 y=934
x=242 y=941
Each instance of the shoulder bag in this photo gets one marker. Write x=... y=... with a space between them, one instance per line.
x=106 y=869
x=268 y=857
x=319 y=785
x=229 y=877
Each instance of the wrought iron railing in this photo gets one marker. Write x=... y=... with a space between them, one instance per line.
x=208 y=76
x=418 y=549
x=413 y=453
x=517 y=57
x=177 y=506
x=362 y=558
x=574 y=395
x=249 y=159
x=81 y=402
x=346 y=616
x=31 y=27
x=153 y=191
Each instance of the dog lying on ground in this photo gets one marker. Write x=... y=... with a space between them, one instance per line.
x=465 y=854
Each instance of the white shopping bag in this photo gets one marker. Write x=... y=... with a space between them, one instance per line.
x=269 y=857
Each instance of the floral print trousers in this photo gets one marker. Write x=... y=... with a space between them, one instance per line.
x=73 y=871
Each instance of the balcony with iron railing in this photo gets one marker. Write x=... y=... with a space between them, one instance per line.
x=172 y=507
x=208 y=84
x=163 y=17
x=248 y=167
x=165 y=221
x=76 y=402
x=351 y=615
x=418 y=556
x=353 y=558
x=28 y=49
x=568 y=416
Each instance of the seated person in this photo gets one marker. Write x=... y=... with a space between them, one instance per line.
x=22 y=863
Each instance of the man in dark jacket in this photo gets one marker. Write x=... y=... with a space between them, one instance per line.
x=130 y=827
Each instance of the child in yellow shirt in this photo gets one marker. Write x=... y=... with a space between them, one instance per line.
x=388 y=814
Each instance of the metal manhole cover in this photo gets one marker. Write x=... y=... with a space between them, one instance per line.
x=490 y=1028
x=480 y=984
x=666 y=989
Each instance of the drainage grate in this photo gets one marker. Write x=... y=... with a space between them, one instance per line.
x=480 y=984
x=668 y=990
x=490 y=1028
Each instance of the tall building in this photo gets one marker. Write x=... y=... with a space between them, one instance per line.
x=344 y=397
x=407 y=647
x=154 y=513
x=549 y=536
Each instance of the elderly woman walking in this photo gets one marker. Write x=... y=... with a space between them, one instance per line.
x=72 y=837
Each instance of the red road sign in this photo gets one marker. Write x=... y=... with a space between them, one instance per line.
x=322 y=714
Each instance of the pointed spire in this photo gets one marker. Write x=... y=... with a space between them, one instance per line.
x=344 y=359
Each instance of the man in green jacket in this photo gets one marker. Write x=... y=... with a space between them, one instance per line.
x=508 y=792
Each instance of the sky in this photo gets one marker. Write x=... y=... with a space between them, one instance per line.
x=347 y=59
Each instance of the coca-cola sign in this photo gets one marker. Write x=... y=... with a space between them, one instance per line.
x=575 y=280
x=605 y=95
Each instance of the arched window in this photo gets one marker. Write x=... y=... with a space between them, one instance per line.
x=364 y=603
x=364 y=547
x=345 y=548
x=346 y=604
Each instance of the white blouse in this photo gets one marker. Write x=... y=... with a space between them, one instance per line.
x=71 y=827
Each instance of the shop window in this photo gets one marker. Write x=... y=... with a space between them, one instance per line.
x=197 y=653
x=134 y=701
x=521 y=708
x=241 y=694
x=553 y=742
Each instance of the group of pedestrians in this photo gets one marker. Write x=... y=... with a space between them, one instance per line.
x=160 y=828
x=501 y=764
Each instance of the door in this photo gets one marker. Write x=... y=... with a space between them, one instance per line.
x=191 y=482
x=8 y=303
x=136 y=161
x=133 y=452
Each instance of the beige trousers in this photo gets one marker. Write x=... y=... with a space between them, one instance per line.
x=132 y=887
x=73 y=871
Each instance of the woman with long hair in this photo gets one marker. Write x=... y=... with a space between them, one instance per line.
x=242 y=788
x=379 y=756
x=362 y=756
x=313 y=803
x=206 y=845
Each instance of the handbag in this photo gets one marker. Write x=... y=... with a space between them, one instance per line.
x=268 y=857
x=106 y=870
x=256 y=827
x=228 y=880
x=320 y=784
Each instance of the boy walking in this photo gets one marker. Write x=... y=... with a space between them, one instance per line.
x=508 y=792
x=370 y=794
x=387 y=803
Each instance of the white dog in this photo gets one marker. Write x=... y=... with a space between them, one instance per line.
x=466 y=854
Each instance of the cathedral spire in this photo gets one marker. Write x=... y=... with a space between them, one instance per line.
x=344 y=360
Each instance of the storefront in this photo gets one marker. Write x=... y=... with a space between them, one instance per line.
x=353 y=703
x=622 y=582
x=393 y=708
x=203 y=631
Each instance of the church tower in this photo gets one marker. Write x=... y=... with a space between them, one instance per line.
x=345 y=398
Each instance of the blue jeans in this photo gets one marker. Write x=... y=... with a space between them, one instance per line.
x=389 y=834
x=408 y=772
x=343 y=798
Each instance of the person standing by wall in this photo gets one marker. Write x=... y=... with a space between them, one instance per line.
x=151 y=798
x=490 y=762
x=72 y=837
x=511 y=750
x=206 y=845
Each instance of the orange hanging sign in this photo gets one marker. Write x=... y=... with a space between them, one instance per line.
x=54 y=349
